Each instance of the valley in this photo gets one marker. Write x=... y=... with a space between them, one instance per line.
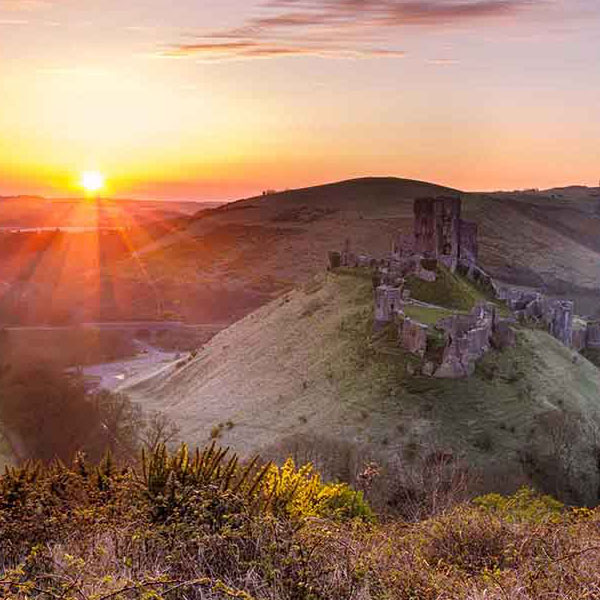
x=294 y=361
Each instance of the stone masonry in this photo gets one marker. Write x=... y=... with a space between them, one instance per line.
x=412 y=336
x=440 y=233
x=556 y=315
x=388 y=301
x=452 y=347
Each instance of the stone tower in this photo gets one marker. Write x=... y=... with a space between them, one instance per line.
x=438 y=228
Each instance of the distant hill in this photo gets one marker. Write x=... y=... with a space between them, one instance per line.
x=268 y=243
x=307 y=371
x=36 y=211
x=219 y=264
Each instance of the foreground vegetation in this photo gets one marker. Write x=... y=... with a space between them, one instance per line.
x=206 y=526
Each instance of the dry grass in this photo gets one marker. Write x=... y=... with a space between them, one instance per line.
x=309 y=365
x=194 y=528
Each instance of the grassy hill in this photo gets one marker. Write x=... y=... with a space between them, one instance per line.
x=254 y=249
x=219 y=264
x=307 y=368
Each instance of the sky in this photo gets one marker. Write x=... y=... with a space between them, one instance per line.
x=221 y=99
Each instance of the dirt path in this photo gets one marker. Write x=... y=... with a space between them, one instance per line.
x=121 y=373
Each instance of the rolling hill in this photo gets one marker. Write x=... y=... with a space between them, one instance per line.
x=307 y=370
x=299 y=359
x=255 y=249
x=218 y=265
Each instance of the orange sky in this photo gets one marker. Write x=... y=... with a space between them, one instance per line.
x=221 y=99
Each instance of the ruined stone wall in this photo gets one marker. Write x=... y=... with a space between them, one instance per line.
x=467 y=338
x=556 y=315
x=469 y=249
x=561 y=321
x=437 y=228
x=425 y=226
x=388 y=301
x=412 y=336
x=459 y=341
x=403 y=245
x=593 y=334
x=447 y=221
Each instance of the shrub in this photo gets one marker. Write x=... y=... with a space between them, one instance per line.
x=204 y=526
x=53 y=417
x=302 y=494
x=525 y=505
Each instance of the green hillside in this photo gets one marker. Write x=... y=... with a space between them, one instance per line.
x=308 y=366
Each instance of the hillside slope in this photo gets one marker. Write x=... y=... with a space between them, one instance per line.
x=308 y=365
x=244 y=253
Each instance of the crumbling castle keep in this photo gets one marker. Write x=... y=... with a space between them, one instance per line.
x=440 y=233
x=451 y=347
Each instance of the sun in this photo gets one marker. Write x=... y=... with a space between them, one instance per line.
x=92 y=181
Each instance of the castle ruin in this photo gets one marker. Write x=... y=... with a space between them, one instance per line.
x=440 y=233
x=452 y=347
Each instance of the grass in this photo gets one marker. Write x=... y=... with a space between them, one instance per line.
x=192 y=526
x=313 y=366
x=450 y=290
x=489 y=416
x=427 y=315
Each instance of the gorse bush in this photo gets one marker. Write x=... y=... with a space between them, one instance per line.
x=203 y=519
x=204 y=525
x=301 y=494
x=295 y=493
x=525 y=506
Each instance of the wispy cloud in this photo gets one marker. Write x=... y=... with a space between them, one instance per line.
x=443 y=62
x=341 y=28
x=403 y=12
x=24 y=5
x=260 y=49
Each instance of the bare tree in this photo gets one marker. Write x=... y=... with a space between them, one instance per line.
x=159 y=429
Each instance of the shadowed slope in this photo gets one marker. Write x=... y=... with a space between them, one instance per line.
x=281 y=239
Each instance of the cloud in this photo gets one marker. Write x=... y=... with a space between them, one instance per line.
x=249 y=50
x=341 y=28
x=443 y=62
x=403 y=12
x=24 y=5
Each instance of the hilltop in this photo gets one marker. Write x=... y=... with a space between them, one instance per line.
x=306 y=371
x=219 y=264
x=240 y=255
